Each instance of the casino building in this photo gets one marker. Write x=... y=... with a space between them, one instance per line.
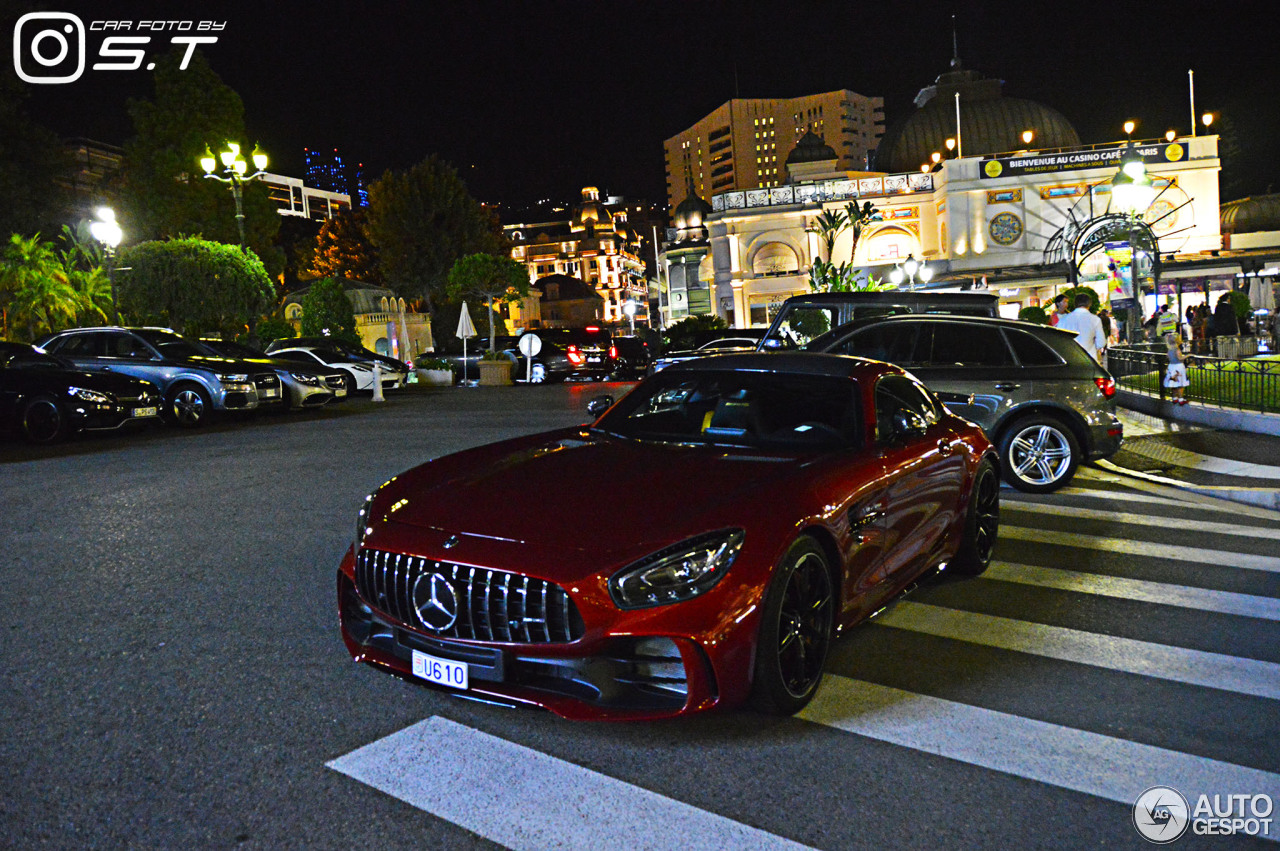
x=1024 y=218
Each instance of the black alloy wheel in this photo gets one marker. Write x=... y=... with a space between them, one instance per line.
x=982 y=523
x=796 y=630
x=188 y=406
x=44 y=420
x=1039 y=454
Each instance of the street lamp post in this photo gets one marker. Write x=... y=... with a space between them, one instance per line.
x=105 y=230
x=235 y=168
x=911 y=268
x=1131 y=191
x=629 y=308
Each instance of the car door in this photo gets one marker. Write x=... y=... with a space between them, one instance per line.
x=923 y=471
x=970 y=367
x=123 y=353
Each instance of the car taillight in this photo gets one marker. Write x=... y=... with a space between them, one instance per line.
x=576 y=357
x=1106 y=385
x=613 y=352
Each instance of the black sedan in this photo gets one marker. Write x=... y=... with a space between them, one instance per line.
x=46 y=399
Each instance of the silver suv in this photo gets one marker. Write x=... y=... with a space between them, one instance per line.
x=1040 y=398
x=193 y=382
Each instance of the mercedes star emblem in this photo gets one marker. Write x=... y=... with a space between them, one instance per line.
x=435 y=602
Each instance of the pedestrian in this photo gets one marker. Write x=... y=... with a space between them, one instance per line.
x=1224 y=318
x=1104 y=316
x=1200 y=330
x=1175 y=374
x=1087 y=327
x=1059 y=309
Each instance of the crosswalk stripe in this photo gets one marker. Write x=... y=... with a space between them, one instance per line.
x=1183 y=524
x=525 y=799
x=1110 y=768
x=1121 y=496
x=1124 y=546
x=1179 y=664
x=1202 y=599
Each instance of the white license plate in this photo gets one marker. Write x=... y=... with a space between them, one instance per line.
x=270 y=393
x=440 y=671
x=145 y=412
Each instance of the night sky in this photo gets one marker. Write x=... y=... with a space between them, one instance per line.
x=537 y=99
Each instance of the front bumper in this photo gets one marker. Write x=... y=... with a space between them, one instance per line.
x=615 y=674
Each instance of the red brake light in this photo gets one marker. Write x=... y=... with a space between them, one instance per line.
x=1106 y=385
x=613 y=352
x=576 y=357
x=593 y=328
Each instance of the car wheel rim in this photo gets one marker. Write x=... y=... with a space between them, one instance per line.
x=987 y=514
x=188 y=407
x=538 y=374
x=1040 y=454
x=804 y=625
x=42 y=421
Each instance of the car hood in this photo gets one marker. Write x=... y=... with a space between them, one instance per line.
x=575 y=488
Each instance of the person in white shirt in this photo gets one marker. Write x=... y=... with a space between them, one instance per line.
x=1087 y=327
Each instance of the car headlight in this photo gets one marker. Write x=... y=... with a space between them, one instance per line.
x=233 y=377
x=86 y=395
x=679 y=572
x=304 y=378
x=362 y=520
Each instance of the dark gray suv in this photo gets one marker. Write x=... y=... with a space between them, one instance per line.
x=1040 y=398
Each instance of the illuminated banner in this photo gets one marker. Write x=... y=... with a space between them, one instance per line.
x=1035 y=163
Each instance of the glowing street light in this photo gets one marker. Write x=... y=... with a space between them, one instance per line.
x=105 y=230
x=1129 y=127
x=235 y=168
x=910 y=269
x=1027 y=136
x=1207 y=119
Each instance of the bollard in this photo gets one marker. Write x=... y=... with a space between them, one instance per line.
x=377 y=384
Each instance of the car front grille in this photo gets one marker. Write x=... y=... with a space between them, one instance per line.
x=486 y=605
x=267 y=381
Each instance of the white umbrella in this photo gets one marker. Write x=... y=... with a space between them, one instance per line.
x=465 y=330
x=1261 y=295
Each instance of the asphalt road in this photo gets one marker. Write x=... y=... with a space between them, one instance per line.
x=173 y=677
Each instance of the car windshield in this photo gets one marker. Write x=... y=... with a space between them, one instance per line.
x=31 y=359
x=232 y=349
x=172 y=345
x=741 y=408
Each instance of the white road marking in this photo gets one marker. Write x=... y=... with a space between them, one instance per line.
x=1115 y=769
x=1202 y=599
x=1124 y=546
x=1119 y=496
x=1182 y=524
x=1178 y=664
x=524 y=799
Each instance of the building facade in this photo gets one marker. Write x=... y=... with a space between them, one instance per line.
x=744 y=143
x=595 y=245
x=385 y=323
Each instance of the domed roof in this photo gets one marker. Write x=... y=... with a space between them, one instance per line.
x=689 y=215
x=1251 y=215
x=591 y=211
x=811 y=149
x=990 y=123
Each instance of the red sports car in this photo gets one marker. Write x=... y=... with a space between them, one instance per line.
x=754 y=507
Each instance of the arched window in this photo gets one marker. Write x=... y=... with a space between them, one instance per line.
x=887 y=245
x=775 y=258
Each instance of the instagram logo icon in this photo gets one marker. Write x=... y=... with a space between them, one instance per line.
x=43 y=51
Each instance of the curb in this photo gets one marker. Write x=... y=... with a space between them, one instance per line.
x=1263 y=497
x=1197 y=414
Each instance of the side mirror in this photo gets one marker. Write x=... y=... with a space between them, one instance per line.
x=907 y=423
x=772 y=344
x=599 y=405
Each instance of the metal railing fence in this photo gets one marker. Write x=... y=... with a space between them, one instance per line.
x=1240 y=384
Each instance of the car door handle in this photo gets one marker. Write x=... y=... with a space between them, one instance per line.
x=1007 y=385
x=946 y=446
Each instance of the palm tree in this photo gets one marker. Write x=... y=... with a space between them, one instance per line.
x=37 y=287
x=82 y=259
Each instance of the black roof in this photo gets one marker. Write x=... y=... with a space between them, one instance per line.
x=807 y=363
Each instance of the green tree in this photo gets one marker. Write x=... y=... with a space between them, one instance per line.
x=491 y=279
x=828 y=276
x=343 y=249
x=421 y=221
x=326 y=311
x=164 y=193
x=84 y=262
x=275 y=328
x=32 y=159
x=194 y=285
x=686 y=333
x=37 y=295
x=1035 y=314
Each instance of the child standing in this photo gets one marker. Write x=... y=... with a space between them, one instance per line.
x=1175 y=375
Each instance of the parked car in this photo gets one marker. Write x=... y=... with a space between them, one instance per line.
x=46 y=398
x=786 y=498
x=1042 y=400
x=303 y=386
x=567 y=353
x=804 y=317
x=357 y=372
x=634 y=357
x=736 y=341
x=356 y=353
x=466 y=366
x=194 y=382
